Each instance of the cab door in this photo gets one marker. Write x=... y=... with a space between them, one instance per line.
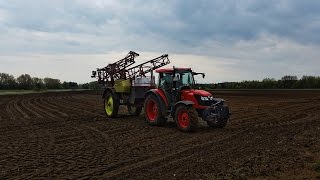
x=165 y=84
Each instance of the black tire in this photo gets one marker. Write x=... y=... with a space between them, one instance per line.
x=152 y=116
x=218 y=124
x=134 y=110
x=186 y=118
x=115 y=104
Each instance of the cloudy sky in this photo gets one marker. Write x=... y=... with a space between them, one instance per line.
x=230 y=40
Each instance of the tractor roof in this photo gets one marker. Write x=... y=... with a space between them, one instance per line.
x=170 y=70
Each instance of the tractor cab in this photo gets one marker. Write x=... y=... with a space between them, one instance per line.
x=174 y=81
x=179 y=76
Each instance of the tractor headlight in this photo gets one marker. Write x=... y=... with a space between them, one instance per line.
x=206 y=98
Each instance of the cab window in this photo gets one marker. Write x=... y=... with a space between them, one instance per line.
x=165 y=80
x=187 y=78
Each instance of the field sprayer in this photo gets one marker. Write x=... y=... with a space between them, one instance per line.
x=126 y=85
x=174 y=95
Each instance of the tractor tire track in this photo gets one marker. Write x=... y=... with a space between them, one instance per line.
x=17 y=106
x=42 y=109
x=10 y=110
x=168 y=157
x=52 y=107
x=77 y=108
x=34 y=109
x=49 y=111
x=25 y=105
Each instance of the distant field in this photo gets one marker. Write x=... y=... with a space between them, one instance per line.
x=6 y=92
x=12 y=92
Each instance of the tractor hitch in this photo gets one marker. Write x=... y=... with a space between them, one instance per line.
x=216 y=113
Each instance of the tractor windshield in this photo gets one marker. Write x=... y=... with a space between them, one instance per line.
x=181 y=78
x=185 y=78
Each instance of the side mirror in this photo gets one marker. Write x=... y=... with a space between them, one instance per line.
x=203 y=75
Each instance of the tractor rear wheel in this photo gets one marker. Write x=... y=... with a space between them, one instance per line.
x=153 y=111
x=134 y=110
x=111 y=104
x=186 y=118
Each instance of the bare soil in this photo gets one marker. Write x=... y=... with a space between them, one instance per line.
x=271 y=134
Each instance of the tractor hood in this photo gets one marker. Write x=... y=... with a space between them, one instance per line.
x=200 y=97
x=197 y=92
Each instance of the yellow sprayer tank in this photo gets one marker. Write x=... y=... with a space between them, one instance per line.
x=123 y=86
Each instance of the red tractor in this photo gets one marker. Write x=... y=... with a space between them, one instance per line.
x=176 y=96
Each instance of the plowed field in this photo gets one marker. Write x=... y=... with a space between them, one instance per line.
x=271 y=134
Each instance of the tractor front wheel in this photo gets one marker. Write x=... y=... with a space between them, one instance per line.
x=111 y=104
x=186 y=118
x=153 y=111
x=134 y=110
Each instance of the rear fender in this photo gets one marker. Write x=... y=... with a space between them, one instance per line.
x=160 y=94
x=162 y=98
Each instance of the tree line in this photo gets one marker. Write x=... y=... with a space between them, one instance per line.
x=286 y=82
x=26 y=82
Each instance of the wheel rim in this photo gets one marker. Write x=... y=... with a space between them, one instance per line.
x=152 y=110
x=183 y=119
x=109 y=105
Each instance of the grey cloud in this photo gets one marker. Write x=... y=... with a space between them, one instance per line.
x=237 y=20
x=275 y=34
x=186 y=23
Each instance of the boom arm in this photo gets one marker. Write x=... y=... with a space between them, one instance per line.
x=146 y=67
x=118 y=70
x=115 y=70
